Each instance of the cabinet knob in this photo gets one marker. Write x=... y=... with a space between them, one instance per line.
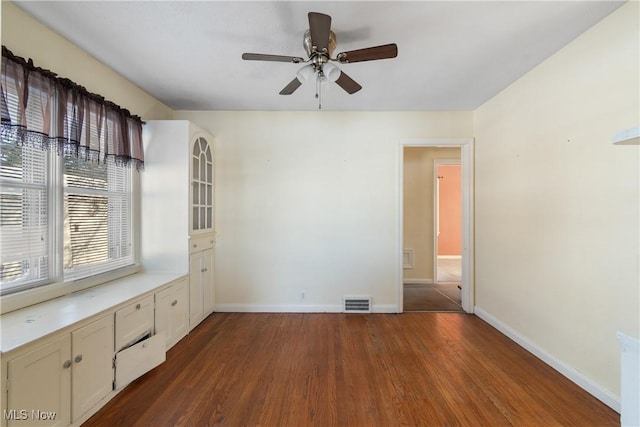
x=174 y=303
x=138 y=306
x=195 y=245
x=78 y=358
x=67 y=364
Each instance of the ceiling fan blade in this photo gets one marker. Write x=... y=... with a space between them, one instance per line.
x=291 y=87
x=275 y=58
x=320 y=28
x=347 y=83
x=369 y=54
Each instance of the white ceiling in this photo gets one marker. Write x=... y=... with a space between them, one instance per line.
x=452 y=55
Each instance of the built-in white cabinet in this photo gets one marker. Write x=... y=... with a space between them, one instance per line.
x=172 y=312
x=63 y=359
x=57 y=382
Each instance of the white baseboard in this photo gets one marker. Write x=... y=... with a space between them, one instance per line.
x=584 y=382
x=417 y=281
x=385 y=308
x=449 y=256
x=261 y=308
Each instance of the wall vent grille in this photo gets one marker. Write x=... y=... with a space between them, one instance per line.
x=357 y=304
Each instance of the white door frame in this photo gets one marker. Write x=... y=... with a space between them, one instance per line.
x=466 y=161
x=436 y=208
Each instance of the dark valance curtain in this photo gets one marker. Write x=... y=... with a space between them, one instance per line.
x=40 y=108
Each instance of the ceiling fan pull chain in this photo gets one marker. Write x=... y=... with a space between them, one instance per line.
x=319 y=90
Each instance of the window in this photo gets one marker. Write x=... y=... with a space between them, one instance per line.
x=66 y=193
x=96 y=219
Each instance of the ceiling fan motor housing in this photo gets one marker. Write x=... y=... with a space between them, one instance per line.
x=308 y=47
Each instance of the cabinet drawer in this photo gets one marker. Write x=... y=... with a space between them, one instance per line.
x=200 y=243
x=139 y=359
x=133 y=322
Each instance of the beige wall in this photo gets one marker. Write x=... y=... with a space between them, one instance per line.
x=309 y=201
x=418 y=199
x=26 y=37
x=557 y=236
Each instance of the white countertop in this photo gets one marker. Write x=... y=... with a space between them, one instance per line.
x=26 y=325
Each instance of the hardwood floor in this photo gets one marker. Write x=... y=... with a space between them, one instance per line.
x=443 y=297
x=412 y=369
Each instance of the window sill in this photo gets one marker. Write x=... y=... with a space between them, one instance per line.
x=29 y=297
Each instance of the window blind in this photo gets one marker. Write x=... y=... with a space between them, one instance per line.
x=97 y=211
x=24 y=231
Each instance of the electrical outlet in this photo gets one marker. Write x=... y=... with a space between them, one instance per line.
x=302 y=294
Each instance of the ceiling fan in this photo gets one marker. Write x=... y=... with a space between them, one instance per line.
x=319 y=43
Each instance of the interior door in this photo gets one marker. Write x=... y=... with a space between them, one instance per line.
x=448 y=221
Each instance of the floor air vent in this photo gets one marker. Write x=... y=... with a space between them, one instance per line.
x=357 y=304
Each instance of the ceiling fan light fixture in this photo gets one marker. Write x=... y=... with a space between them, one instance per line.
x=331 y=72
x=306 y=73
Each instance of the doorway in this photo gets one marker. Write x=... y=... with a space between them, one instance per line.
x=407 y=254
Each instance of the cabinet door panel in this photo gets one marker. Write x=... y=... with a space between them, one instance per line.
x=172 y=312
x=92 y=377
x=208 y=288
x=133 y=322
x=180 y=310
x=202 y=183
x=138 y=359
x=163 y=313
x=196 y=305
x=40 y=386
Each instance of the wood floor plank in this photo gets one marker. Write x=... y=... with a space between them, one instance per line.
x=413 y=369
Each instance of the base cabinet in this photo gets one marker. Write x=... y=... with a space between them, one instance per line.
x=201 y=279
x=59 y=372
x=58 y=382
x=92 y=373
x=172 y=312
x=39 y=386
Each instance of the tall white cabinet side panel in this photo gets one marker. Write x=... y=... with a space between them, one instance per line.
x=165 y=195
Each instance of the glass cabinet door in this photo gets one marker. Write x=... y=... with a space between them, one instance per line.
x=202 y=186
